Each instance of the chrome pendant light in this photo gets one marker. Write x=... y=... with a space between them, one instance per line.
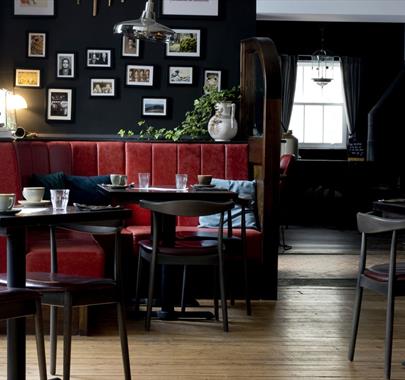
x=145 y=27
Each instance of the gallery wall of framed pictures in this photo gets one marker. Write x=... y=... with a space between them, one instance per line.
x=69 y=68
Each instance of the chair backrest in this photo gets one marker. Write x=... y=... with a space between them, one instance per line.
x=370 y=223
x=187 y=207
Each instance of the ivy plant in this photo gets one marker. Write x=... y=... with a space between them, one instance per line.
x=195 y=123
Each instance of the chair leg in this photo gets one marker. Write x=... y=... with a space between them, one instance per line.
x=138 y=283
x=53 y=336
x=388 y=336
x=216 y=307
x=223 y=297
x=67 y=335
x=39 y=333
x=122 y=328
x=183 y=290
x=150 y=293
x=247 y=293
x=355 y=322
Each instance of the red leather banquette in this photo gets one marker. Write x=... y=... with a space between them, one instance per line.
x=81 y=254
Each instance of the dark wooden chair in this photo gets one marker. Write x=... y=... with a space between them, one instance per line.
x=183 y=252
x=17 y=303
x=68 y=291
x=387 y=279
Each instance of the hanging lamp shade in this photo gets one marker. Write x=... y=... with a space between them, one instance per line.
x=322 y=65
x=145 y=27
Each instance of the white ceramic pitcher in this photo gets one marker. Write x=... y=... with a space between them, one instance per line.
x=223 y=125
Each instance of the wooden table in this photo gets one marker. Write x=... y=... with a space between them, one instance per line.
x=170 y=193
x=14 y=227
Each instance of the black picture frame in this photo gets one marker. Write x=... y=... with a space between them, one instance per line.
x=173 y=48
x=30 y=10
x=127 y=51
x=155 y=106
x=63 y=73
x=181 y=75
x=99 y=58
x=189 y=10
x=103 y=88
x=60 y=104
x=37 y=44
x=140 y=75
x=27 y=77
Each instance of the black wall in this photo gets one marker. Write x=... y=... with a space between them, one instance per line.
x=75 y=29
x=379 y=45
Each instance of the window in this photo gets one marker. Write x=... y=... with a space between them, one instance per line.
x=318 y=119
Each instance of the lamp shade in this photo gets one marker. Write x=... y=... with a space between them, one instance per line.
x=145 y=27
x=16 y=102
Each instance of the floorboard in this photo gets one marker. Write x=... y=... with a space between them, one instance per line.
x=304 y=335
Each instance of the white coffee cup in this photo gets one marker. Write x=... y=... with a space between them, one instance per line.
x=33 y=194
x=118 y=179
x=7 y=202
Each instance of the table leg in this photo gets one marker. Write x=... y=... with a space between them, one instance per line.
x=16 y=327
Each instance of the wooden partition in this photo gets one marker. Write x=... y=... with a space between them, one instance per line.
x=260 y=121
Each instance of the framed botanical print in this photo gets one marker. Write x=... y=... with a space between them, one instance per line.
x=36 y=44
x=27 y=78
x=34 y=7
x=185 y=43
x=59 y=105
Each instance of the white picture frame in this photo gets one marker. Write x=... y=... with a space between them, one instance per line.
x=34 y=8
x=99 y=58
x=190 y=8
x=59 y=104
x=154 y=106
x=212 y=80
x=103 y=87
x=181 y=75
x=139 y=75
x=129 y=47
x=65 y=65
x=30 y=78
x=179 y=48
x=36 y=44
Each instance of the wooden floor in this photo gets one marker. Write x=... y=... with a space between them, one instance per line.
x=304 y=335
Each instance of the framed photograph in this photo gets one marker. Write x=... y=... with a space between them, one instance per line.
x=181 y=75
x=212 y=80
x=154 y=107
x=139 y=75
x=65 y=65
x=34 y=7
x=99 y=58
x=186 y=43
x=189 y=9
x=59 y=106
x=27 y=78
x=103 y=87
x=36 y=44
x=130 y=47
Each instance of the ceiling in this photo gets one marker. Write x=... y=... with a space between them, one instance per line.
x=332 y=10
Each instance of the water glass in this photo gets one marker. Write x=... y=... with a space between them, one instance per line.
x=59 y=199
x=143 y=179
x=181 y=181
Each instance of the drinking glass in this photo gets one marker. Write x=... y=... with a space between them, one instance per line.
x=143 y=179
x=181 y=181
x=59 y=199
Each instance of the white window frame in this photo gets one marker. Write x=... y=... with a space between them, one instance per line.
x=326 y=146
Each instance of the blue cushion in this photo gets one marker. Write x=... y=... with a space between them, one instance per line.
x=49 y=181
x=85 y=190
x=245 y=188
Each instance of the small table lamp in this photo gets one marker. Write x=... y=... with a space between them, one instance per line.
x=13 y=103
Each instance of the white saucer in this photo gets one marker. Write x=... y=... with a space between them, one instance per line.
x=26 y=203
x=10 y=212
x=115 y=186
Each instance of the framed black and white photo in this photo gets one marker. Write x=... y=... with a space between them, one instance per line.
x=36 y=44
x=59 y=105
x=103 y=87
x=27 y=78
x=130 y=47
x=181 y=75
x=189 y=9
x=99 y=58
x=65 y=65
x=34 y=7
x=212 y=80
x=186 y=43
x=139 y=75
x=154 y=107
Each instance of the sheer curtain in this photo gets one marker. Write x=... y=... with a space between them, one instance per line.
x=351 y=69
x=288 y=78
